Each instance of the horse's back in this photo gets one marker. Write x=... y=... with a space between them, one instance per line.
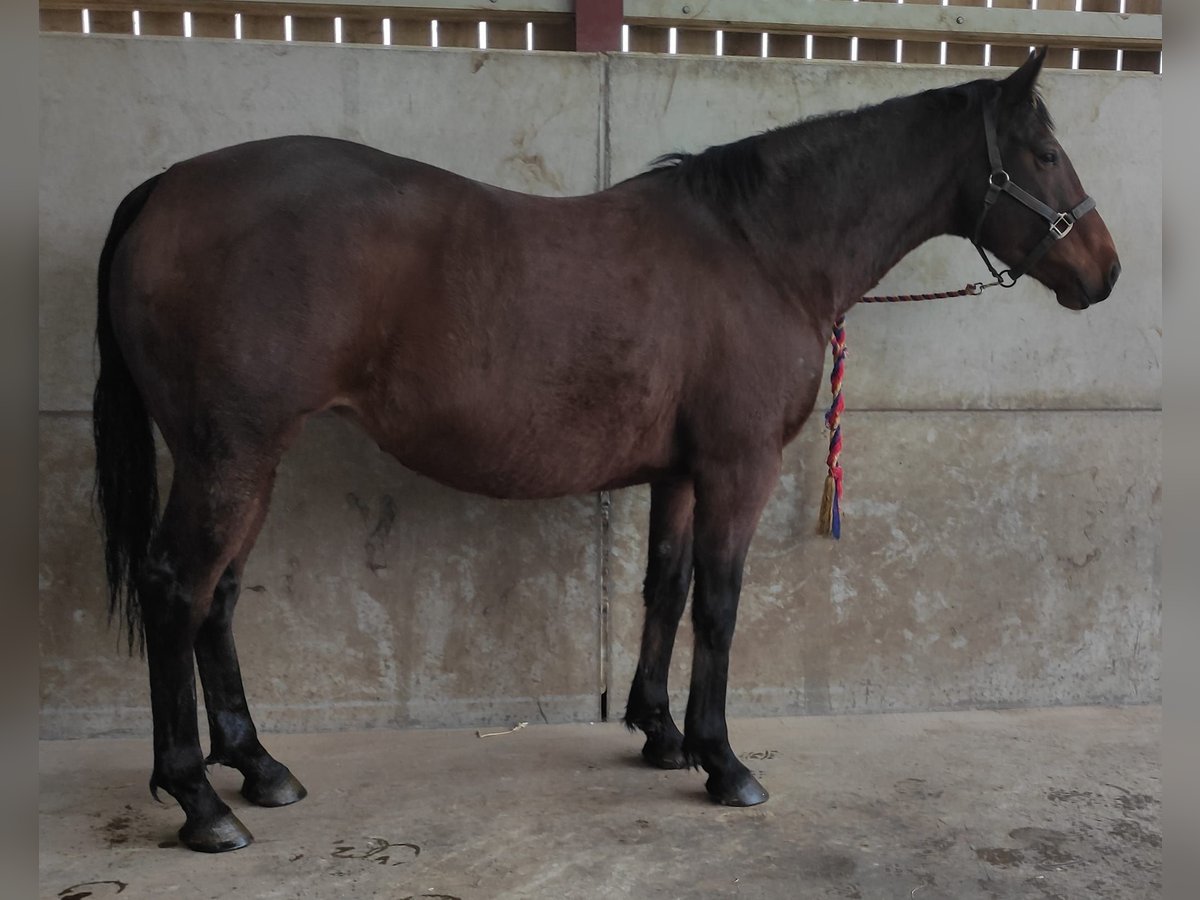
x=503 y=343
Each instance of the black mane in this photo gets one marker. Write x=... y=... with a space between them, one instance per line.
x=727 y=176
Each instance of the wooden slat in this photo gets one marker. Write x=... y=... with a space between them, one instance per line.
x=648 y=39
x=1010 y=55
x=826 y=47
x=979 y=25
x=877 y=49
x=553 y=35
x=506 y=36
x=212 y=25
x=969 y=53
x=312 y=28
x=696 y=41
x=787 y=46
x=262 y=28
x=928 y=52
x=1099 y=59
x=742 y=43
x=68 y=20
x=412 y=33
x=363 y=29
x=161 y=23
x=109 y=21
x=1139 y=61
x=448 y=9
x=1058 y=57
x=458 y=34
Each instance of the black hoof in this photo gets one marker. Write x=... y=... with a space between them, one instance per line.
x=223 y=833
x=738 y=789
x=663 y=755
x=278 y=789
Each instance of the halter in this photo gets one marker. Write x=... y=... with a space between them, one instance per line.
x=999 y=182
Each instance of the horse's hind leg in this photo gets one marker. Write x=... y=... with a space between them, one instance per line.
x=729 y=501
x=205 y=522
x=668 y=579
x=234 y=739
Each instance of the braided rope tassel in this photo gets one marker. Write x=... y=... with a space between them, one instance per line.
x=830 y=521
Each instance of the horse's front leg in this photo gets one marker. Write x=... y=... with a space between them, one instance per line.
x=668 y=579
x=729 y=501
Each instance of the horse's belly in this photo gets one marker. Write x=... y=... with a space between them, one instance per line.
x=524 y=462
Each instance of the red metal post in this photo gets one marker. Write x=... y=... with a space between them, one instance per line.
x=598 y=24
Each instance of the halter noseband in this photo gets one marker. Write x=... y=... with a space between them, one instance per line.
x=999 y=182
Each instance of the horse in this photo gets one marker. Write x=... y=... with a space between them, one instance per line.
x=668 y=330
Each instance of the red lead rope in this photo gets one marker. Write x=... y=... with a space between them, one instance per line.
x=830 y=521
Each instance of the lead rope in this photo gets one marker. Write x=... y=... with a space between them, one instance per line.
x=830 y=518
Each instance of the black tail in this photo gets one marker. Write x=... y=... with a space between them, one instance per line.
x=126 y=488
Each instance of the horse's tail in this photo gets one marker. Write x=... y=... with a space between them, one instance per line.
x=126 y=486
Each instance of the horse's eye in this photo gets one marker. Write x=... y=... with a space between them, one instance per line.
x=1049 y=157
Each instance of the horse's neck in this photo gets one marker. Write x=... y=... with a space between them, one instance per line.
x=855 y=196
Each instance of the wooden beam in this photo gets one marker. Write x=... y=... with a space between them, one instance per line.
x=472 y=10
x=957 y=24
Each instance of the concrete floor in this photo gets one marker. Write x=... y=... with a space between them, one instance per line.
x=1060 y=803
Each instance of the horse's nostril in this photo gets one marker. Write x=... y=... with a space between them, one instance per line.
x=1113 y=274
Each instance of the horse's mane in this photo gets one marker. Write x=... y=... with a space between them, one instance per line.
x=725 y=176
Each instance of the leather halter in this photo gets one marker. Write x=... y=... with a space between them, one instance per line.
x=999 y=182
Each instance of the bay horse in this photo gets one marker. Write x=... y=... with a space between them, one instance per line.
x=669 y=330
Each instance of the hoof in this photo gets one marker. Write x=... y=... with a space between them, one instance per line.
x=223 y=833
x=278 y=790
x=664 y=756
x=738 y=789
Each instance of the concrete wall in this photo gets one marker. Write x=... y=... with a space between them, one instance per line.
x=1003 y=466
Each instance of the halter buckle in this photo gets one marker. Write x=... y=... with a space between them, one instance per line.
x=999 y=179
x=1006 y=279
x=1062 y=226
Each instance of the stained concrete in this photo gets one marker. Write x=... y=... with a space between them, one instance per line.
x=374 y=598
x=1038 y=804
x=986 y=558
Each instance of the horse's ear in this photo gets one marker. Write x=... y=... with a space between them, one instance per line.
x=1018 y=87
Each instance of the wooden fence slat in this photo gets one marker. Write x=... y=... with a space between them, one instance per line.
x=161 y=23
x=362 y=30
x=1142 y=60
x=212 y=25
x=787 y=46
x=506 y=35
x=458 y=34
x=742 y=43
x=554 y=35
x=696 y=41
x=262 y=28
x=108 y=21
x=68 y=20
x=312 y=28
x=412 y=32
x=927 y=52
x=1099 y=59
x=648 y=39
x=875 y=49
x=826 y=47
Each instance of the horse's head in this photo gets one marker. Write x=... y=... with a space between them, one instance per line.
x=1036 y=216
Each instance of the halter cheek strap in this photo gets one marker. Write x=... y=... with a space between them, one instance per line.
x=999 y=182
